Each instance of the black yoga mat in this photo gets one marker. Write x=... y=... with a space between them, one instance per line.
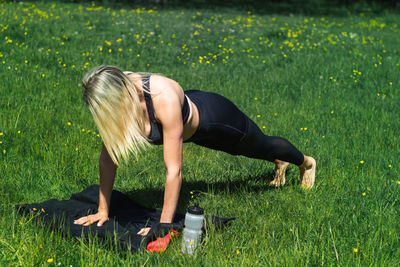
x=126 y=217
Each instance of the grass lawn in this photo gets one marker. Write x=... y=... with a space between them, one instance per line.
x=328 y=84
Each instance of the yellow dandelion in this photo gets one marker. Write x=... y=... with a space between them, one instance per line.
x=355 y=250
x=258 y=116
x=264 y=127
x=50 y=260
x=1 y=134
x=237 y=252
x=1 y=142
x=42 y=210
x=361 y=161
x=275 y=114
x=190 y=243
x=332 y=111
x=323 y=136
x=68 y=123
x=390 y=165
x=4 y=151
x=19 y=132
x=43 y=75
x=398 y=182
x=20 y=222
x=191 y=192
x=363 y=193
x=291 y=230
x=83 y=130
x=305 y=129
x=34 y=209
x=76 y=149
x=256 y=98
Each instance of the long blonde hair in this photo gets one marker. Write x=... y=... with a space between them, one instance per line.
x=114 y=103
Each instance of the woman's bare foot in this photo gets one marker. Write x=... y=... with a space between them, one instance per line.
x=307 y=172
x=280 y=172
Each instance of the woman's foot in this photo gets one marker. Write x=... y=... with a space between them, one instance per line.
x=307 y=172
x=280 y=172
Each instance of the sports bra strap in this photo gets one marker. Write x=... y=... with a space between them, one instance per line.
x=147 y=97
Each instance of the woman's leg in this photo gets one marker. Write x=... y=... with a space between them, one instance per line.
x=277 y=150
x=255 y=144
x=224 y=127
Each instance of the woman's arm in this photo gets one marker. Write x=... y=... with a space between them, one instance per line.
x=170 y=116
x=108 y=170
x=171 y=120
x=107 y=176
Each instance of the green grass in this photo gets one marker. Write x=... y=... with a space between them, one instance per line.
x=319 y=88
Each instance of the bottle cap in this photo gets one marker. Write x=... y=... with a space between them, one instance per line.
x=195 y=209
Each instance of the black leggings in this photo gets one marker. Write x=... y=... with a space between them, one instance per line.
x=222 y=126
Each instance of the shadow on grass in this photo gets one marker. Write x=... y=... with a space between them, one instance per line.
x=154 y=197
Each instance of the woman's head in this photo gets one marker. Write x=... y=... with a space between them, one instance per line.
x=114 y=103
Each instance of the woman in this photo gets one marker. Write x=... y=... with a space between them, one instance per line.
x=133 y=110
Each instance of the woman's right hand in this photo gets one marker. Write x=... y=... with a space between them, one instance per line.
x=107 y=175
x=100 y=217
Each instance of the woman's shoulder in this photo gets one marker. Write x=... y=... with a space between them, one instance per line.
x=165 y=93
x=163 y=84
x=159 y=85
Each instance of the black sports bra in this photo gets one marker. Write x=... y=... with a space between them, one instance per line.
x=156 y=132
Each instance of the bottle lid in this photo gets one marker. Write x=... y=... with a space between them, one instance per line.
x=195 y=209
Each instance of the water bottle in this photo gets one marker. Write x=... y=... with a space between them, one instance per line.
x=192 y=232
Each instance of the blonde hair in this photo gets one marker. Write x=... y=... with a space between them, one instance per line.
x=114 y=103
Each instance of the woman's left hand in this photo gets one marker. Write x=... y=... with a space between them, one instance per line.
x=144 y=231
x=157 y=230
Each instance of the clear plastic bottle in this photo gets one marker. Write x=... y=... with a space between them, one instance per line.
x=192 y=232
